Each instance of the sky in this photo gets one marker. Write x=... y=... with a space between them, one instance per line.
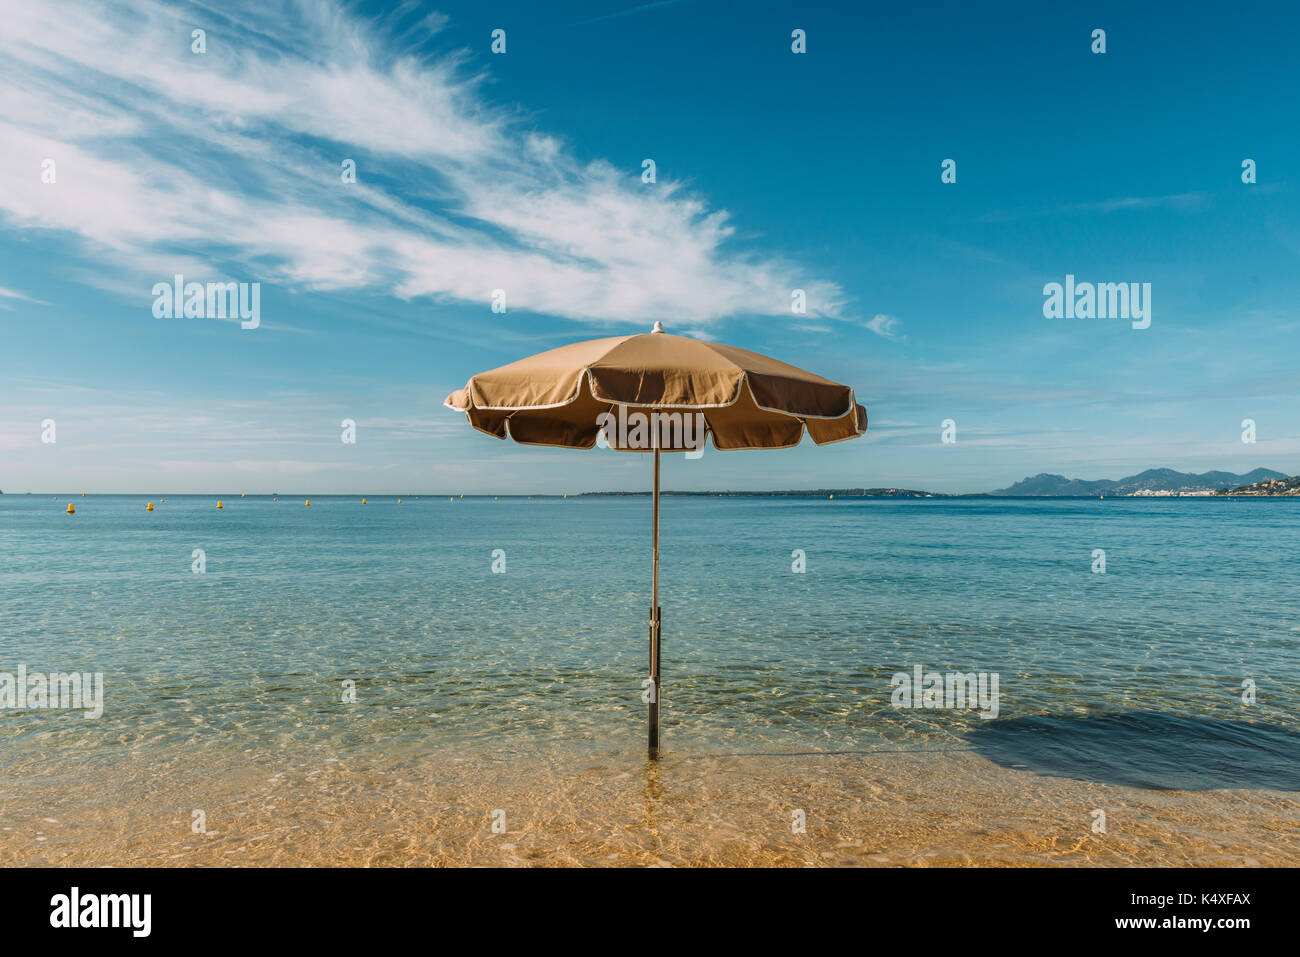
x=127 y=156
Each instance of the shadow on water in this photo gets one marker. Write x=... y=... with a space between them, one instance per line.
x=1146 y=749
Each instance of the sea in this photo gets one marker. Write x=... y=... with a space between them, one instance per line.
x=348 y=682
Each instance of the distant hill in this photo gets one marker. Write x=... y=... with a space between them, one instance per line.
x=1153 y=480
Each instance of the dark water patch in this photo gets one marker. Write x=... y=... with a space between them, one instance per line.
x=1146 y=749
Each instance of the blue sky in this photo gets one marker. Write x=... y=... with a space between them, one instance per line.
x=522 y=171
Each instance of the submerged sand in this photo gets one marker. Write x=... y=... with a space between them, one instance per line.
x=930 y=808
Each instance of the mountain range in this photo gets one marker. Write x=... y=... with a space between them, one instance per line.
x=1154 y=480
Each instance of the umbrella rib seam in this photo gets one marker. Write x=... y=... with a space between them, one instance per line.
x=591 y=388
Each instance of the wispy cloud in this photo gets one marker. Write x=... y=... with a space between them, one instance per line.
x=168 y=160
x=888 y=327
x=640 y=8
x=1188 y=201
x=21 y=297
x=1183 y=202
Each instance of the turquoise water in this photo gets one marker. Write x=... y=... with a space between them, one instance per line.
x=1198 y=596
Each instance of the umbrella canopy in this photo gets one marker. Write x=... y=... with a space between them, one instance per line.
x=661 y=393
x=747 y=400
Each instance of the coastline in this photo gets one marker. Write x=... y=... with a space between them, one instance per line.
x=292 y=498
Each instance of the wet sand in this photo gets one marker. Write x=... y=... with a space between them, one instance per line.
x=879 y=809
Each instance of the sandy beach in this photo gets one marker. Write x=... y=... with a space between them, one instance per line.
x=863 y=810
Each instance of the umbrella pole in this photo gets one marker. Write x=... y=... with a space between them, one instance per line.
x=655 y=689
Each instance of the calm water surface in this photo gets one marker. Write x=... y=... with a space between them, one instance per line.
x=1132 y=678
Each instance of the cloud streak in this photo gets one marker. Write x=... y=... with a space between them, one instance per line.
x=885 y=326
x=229 y=162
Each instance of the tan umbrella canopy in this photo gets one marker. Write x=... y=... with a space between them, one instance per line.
x=657 y=392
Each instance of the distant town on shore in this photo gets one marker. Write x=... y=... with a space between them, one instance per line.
x=1153 y=483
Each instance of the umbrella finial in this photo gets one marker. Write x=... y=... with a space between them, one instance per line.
x=659 y=326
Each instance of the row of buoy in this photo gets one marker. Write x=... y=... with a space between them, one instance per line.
x=222 y=505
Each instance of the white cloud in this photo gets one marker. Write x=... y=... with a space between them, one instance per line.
x=886 y=326
x=234 y=155
x=22 y=297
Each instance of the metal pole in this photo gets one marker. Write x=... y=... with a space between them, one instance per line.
x=655 y=683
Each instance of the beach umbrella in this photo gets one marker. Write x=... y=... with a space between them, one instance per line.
x=656 y=392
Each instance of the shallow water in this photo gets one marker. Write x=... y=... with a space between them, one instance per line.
x=521 y=691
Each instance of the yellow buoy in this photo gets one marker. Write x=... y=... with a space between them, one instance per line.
x=832 y=496
x=164 y=501
x=462 y=496
x=149 y=507
x=243 y=495
x=307 y=503
x=83 y=494
x=399 y=501
x=566 y=494
x=219 y=505
x=363 y=501
x=452 y=499
x=71 y=510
